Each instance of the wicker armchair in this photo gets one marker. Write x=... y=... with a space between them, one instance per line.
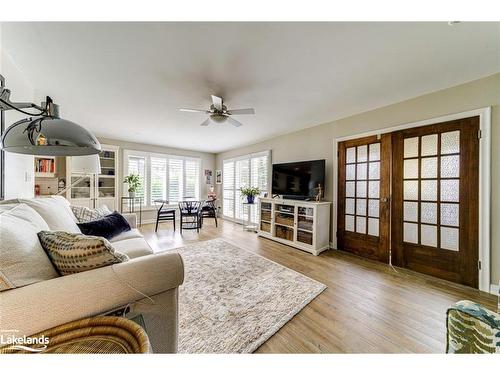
x=472 y=329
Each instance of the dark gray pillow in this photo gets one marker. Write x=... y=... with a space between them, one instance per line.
x=108 y=227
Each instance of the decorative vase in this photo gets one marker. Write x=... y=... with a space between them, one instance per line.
x=131 y=194
x=250 y=199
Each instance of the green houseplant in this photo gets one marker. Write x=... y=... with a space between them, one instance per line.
x=250 y=193
x=134 y=183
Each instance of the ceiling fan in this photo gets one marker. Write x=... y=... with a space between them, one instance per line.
x=219 y=113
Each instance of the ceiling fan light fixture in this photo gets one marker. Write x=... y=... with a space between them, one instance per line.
x=217 y=118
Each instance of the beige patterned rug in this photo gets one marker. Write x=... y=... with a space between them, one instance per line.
x=232 y=300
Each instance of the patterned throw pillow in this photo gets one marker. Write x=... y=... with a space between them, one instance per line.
x=85 y=214
x=73 y=252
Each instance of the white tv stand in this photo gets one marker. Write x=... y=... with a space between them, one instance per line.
x=304 y=225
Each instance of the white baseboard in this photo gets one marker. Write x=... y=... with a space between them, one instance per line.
x=494 y=289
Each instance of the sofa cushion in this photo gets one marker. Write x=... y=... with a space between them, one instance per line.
x=108 y=227
x=72 y=252
x=133 y=233
x=133 y=247
x=84 y=214
x=22 y=259
x=56 y=212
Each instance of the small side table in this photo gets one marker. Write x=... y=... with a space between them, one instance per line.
x=131 y=201
x=248 y=225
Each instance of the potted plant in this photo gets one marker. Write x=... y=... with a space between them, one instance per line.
x=250 y=193
x=134 y=183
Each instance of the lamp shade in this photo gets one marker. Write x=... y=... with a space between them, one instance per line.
x=89 y=164
x=49 y=136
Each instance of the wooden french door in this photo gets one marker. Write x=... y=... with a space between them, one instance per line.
x=435 y=208
x=363 y=222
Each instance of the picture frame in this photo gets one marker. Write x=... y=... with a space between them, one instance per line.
x=218 y=177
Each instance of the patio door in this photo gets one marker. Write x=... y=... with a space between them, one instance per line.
x=435 y=209
x=364 y=196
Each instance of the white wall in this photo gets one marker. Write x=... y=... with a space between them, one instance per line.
x=19 y=170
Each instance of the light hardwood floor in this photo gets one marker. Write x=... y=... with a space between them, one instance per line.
x=368 y=307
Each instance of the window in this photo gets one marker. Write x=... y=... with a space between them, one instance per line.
x=245 y=171
x=137 y=165
x=169 y=177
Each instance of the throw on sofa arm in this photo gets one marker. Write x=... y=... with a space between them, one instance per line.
x=472 y=328
x=37 y=307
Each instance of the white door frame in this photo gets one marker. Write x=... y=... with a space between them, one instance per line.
x=484 y=180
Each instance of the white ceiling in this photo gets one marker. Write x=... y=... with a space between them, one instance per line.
x=127 y=80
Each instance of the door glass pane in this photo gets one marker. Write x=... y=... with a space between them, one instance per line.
x=428 y=167
x=449 y=190
x=449 y=214
x=350 y=156
x=428 y=235
x=410 y=189
x=449 y=238
x=361 y=224
x=410 y=211
x=350 y=172
x=428 y=190
x=349 y=223
x=373 y=227
x=410 y=232
x=374 y=171
x=429 y=144
x=374 y=153
x=373 y=207
x=373 y=189
x=349 y=188
x=349 y=206
x=362 y=153
x=361 y=170
x=411 y=147
x=450 y=166
x=410 y=169
x=428 y=213
x=361 y=189
x=450 y=142
x=361 y=207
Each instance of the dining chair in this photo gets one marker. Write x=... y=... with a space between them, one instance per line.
x=164 y=213
x=190 y=212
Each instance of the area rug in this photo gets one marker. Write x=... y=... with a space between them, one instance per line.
x=233 y=300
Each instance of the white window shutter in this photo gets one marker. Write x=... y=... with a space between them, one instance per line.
x=158 y=179
x=137 y=165
x=175 y=180
x=192 y=175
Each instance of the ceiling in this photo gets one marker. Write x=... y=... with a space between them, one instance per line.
x=127 y=80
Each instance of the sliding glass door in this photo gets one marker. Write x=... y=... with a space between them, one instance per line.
x=245 y=171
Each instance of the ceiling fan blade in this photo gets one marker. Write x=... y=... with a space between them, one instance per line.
x=193 y=110
x=217 y=102
x=233 y=122
x=244 y=111
x=206 y=122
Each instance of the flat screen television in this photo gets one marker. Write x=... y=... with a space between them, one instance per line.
x=298 y=180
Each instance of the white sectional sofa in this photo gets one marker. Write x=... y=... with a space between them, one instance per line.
x=34 y=298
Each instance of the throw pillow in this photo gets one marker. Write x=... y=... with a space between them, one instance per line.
x=72 y=252
x=85 y=214
x=22 y=259
x=55 y=211
x=108 y=227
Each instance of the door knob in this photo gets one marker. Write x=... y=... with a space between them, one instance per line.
x=384 y=200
